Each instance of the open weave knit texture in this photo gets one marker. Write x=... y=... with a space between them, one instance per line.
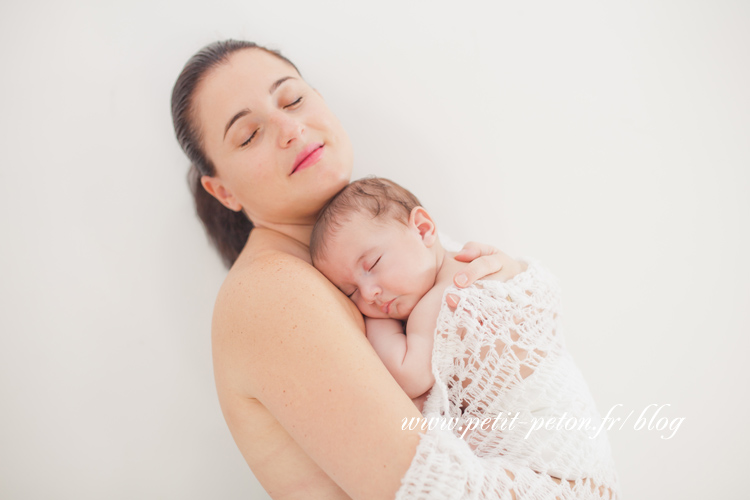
x=501 y=352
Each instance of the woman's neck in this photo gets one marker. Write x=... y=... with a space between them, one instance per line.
x=288 y=238
x=298 y=232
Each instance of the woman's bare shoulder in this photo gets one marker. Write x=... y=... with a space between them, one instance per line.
x=268 y=264
x=269 y=299
x=265 y=282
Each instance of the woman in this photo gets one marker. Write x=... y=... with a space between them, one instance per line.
x=311 y=407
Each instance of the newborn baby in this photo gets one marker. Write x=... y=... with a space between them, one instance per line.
x=501 y=350
x=376 y=243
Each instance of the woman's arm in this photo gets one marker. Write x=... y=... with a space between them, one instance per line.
x=286 y=336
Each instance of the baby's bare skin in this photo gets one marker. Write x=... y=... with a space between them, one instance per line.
x=409 y=357
x=396 y=273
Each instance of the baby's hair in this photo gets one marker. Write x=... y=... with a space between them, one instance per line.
x=374 y=196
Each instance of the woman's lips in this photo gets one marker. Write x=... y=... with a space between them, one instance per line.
x=308 y=156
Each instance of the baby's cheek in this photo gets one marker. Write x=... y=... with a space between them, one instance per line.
x=369 y=311
x=362 y=307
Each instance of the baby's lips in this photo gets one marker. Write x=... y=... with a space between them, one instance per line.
x=385 y=308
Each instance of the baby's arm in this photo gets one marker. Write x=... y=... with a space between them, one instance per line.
x=407 y=357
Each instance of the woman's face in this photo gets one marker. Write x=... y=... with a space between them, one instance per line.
x=279 y=152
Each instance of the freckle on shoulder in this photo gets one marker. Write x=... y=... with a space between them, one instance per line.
x=270 y=264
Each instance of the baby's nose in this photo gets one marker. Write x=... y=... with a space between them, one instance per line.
x=371 y=293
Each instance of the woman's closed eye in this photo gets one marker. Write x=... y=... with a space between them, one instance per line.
x=298 y=101
x=249 y=139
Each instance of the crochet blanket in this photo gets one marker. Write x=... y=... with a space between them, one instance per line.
x=499 y=355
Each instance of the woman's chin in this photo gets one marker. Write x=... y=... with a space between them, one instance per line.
x=328 y=184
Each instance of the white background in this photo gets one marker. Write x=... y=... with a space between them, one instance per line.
x=610 y=141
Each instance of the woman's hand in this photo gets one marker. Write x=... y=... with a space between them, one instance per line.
x=484 y=260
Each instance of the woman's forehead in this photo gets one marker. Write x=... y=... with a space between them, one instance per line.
x=253 y=66
x=244 y=78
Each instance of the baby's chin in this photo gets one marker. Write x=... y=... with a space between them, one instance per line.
x=380 y=315
x=403 y=311
x=399 y=314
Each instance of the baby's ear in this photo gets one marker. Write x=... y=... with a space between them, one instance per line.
x=421 y=220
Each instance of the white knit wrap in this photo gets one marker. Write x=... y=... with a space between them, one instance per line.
x=500 y=351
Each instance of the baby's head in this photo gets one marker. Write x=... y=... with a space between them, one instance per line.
x=376 y=243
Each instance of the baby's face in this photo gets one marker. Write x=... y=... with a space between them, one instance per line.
x=384 y=266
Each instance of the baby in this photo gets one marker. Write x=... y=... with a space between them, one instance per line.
x=379 y=246
x=500 y=351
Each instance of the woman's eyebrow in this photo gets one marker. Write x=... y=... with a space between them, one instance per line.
x=234 y=119
x=246 y=111
x=279 y=82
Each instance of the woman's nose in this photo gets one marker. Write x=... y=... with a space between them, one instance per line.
x=290 y=128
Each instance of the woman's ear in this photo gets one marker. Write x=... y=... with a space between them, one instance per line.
x=421 y=220
x=216 y=188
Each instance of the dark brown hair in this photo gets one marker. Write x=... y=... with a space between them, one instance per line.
x=375 y=196
x=228 y=230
